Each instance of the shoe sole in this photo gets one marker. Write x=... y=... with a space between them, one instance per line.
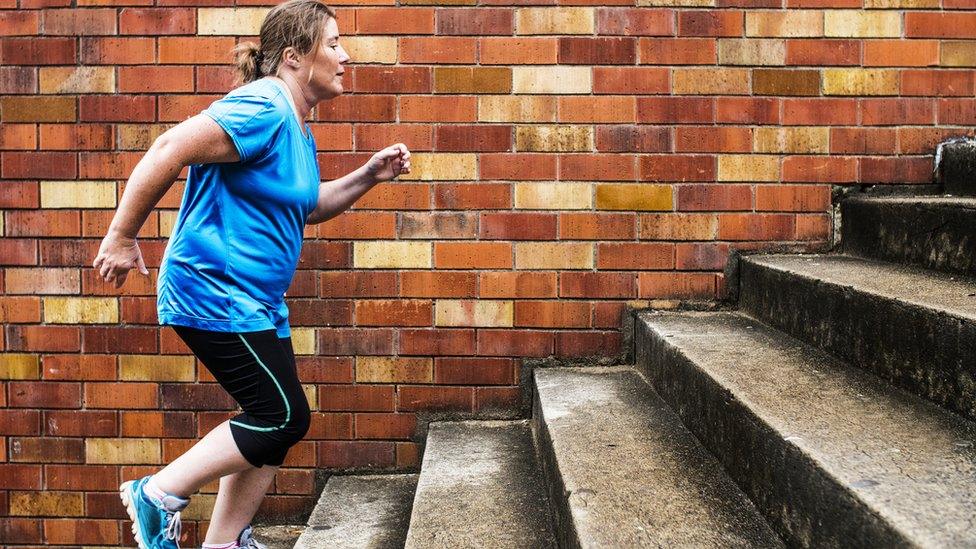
x=126 y=495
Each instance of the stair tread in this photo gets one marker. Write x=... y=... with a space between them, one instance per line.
x=911 y=462
x=950 y=294
x=635 y=476
x=361 y=511
x=967 y=202
x=480 y=486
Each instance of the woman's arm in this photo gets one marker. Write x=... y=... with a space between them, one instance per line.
x=198 y=140
x=338 y=195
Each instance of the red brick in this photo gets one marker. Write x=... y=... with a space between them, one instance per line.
x=358 y=284
x=20 y=477
x=597 y=51
x=157 y=21
x=473 y=255
x=515 y=343
x=819 y=169
x=371 y=137
x=291 y=481
x=820 y=112
x=793 y=198
x=481 y=196
x=82 y=21
x=517 y=226
x=435 y=109
x=459 y=138
x=678 y=285
x=896 y=170
x=81 y=531
x=47 y=394
x=474 y=371
x=36 y=50
x=813 y=227
x=634 y=21
x=438 y=284
x=222 y=79
x=437 y=342
x=120 y=339
x=77 y=423
x=701 y=256
x=552 y=314
x=823 y=52
x=710 y=23
x=117 y=108
x=19 y=194
x=319 y=369
x=396 y=196
x=106 y=504
x=345 y=455
x=678 y=51
x=386 y=79
x=356 y=398
x=82 y=477
x=155 y=79
x=639 y=256
x=43 y=338
x=325 y=255
x=633 y=138
x=519 y=166
x=897 y=112
x=398 y=312
x=330 y=426
x=18 y=80
x=20 y=422
x=317 y=312
x=355 y=341
x=749 y=226
x=674 y=168
x=117 y=51
x=901 y=53
x=940 y=25
x=925 y=140
x=385 y=426
x=407 y=455
x=18 y=251
x=22 y=530
x=38 y=165
x=68 y=253
x=675 y=110
x=438 y=49
x=747 y=110
x=500 y=285
x=862 y=140
x=85 y=367
x=588 y=344
x=957 y=111
x=938 y=82
x=522 y=50
x=77 y=137
x=139 y=310
x=121 y=395
x=177 y=108
x=711 y=198
x=597 y=226
x=727 y=139
x=196 y=50
x=493 y=400
x=605 y=109
x=597 y=285
x=361 y=108
x=435 y=398
x=47 y=450
x=20 y=310
x=475 y=21
x=586 y=167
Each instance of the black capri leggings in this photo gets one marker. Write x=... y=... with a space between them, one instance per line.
x=258 y=370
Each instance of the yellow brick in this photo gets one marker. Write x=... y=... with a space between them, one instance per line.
x=442 y=167
x=860 y=82
x=19 y=366
x=553 y=255
x=371 y=49
x=380 y=369
x=167 y=220
x=475 y=80
x=902 y=4
x=200 y=507
x=748 y=167
x=552 y=79
x=78 y=194
x=612 y=196
x=123 y=450
x=862 y=24
x=554 y=20
x=690 y=226
x=392 y=255
x=81 y=310
x=959 y=54
x=553 y=196
x=513 y=108
x=710 y=81
x=47 y=503
x=303 y=341
x=311 y=395
x=798 y=139
x=77 y=79
x=685 y=3
x=786 y=23
x=554 y=138
x=230 y=21
x=752 y=52
x=139 y=137
x=156 y=368
x=471 y=313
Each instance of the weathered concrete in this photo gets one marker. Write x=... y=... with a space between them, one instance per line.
x=956 y=166
x=361 y=512
x=936 y=232
x=832 y=455
x=278 y=537
x=480 y=486
x=911 y=326
x=624 y=472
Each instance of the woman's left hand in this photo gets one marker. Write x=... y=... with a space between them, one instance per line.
x=389 y=163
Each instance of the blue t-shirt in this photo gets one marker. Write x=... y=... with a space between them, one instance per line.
x=237 y=237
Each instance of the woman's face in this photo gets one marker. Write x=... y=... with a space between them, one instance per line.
x=325 y=79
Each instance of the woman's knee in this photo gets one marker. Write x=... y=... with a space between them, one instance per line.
x=299 y=423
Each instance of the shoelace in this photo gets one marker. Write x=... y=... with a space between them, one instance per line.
x=247 y=541
x=173 y=526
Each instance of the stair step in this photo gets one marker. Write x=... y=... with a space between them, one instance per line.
x=278 y=537
x=936 y=232
x=831 y=454
x=361 y=511
x=624 y=472
x=480 y=486
x=914 y=327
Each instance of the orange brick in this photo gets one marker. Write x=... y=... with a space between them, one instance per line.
x=938 y=82
x=356 y=398
x=520 y=50
x=395 y=21
x=678 y=285
x=552 y=314
x=515 y=343
x=521 y=166
x=899 y=170
x=712 y=139
x=43 y=223
x=678 y=51
x=785 y=82
x=358 y=284
x=385 y=79
x=371 y=137
x=79 y=137
x=75 y=22
x=393 y=313
x=517 y=285
x=701 y=256
x=396 y=196
x=640 y=256
x=517 y=226
x=585 y=167
x=813 y=227
x=896 y=112
x=674 y=168
x=595 y=285
x=385 y=426
x=195 y=50
x=819 y=169
x=357 y=225
x=438 y=109
x=438 y=49
x=710 y=23
x=901 y=53
x=18 y=136
x=823 y=52
x=432 y=398
x=597 y=226
x=177 y=108
x=820 y=112
x=940 y=25
x=863 y=140
x=793 y=198
x=481 y=196
x=675 y=110
x=753 y=226
x=117 y=108
x=117 y=51
x=122 y=395
x=438 y=284
x=714 y=197
x=38 y=109
x=151 y=21
x=154 y=79
x=472 y=255
x=681 y=226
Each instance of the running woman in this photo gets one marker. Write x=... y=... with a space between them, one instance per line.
x=253 y=185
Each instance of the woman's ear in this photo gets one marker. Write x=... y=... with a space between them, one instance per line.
x=291 y=58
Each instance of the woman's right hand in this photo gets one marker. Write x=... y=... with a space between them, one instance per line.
x=116 y=256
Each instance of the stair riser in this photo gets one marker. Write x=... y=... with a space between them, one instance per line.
x=563 y=526
x=927 y=353
x=806 y=506
x=957 y=171
x=932 y=236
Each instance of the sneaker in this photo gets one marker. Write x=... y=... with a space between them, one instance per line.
x=247 y=541
x=155 y=523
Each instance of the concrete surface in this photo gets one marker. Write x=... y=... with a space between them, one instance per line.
x=278 y=537
x=625 y=472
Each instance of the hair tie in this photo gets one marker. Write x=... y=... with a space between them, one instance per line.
x=259 y=56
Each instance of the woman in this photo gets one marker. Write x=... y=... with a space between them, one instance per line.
x=253 y=184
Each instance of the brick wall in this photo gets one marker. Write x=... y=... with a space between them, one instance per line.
x=566 y=160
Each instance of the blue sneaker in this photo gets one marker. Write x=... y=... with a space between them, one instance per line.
x=246 y=540
x=155 y=523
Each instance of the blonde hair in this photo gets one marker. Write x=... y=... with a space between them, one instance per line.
x=295 y=23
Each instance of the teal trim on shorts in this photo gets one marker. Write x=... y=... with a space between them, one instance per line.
x=280 y=390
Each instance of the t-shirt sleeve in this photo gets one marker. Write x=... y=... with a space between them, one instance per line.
x=251 y=122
